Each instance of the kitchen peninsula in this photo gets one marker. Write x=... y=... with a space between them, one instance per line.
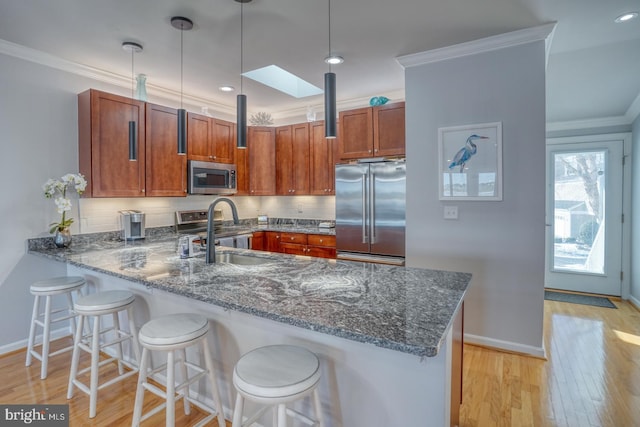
x=384 y=334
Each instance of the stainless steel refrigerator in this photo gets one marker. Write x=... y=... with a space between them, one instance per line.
x=370 y=211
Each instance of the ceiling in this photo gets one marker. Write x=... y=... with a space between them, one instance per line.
x=593 y=68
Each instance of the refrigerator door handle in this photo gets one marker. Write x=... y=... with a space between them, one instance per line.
x=372 y=208
x=364 y=208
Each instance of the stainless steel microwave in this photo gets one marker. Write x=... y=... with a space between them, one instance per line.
x=211 y=178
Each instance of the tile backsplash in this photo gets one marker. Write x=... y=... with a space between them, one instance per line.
x=100 y=215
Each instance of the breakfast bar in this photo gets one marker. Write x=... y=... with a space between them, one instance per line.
x=386 y=335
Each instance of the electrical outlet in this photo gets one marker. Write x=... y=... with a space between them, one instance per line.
x=299 y=208
x=450 y=212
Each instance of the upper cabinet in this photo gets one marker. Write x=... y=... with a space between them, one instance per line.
x=372 y=132
x=261 y=151
x=103 y=144
x=104 y=147
x=323 y=155
x=292 y=160
x=209 y=139
x=166 y=170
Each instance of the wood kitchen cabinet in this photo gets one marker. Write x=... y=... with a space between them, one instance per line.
x=258 y=241
x=372 y=132
x=322 y=161
x=261 y=153
x=166 y=170
x=210 y=139
x=292 y=160
x=103 y=144
x=317 y=245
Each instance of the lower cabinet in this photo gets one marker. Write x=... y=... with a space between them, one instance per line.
x=316 y=245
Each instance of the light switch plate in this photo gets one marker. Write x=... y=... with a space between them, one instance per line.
x=450 y=212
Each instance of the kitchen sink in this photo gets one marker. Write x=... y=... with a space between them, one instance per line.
x=231 y=258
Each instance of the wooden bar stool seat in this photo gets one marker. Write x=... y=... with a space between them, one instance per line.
x=275 y=376
x=174 y=333
x=47 y=288
x=94 y=306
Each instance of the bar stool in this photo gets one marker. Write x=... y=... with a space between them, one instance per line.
x=96 y=305
x=274 y=376
x=169 y=333
x=47 y=288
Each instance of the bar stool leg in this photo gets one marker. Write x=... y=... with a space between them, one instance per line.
x=32 y=330
x=184 y=373
x=282 y=415
x=70 y=310
x=171 y=389
x=318 y=408
x=237 y=412
x=45 y=337
x=142 y=379
x=116 y=325
x=75 y=357
x=212 y=378
x=134 y=335
x=95 y=353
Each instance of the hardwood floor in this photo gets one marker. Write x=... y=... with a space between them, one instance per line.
x=591 y=377
x=22 y=385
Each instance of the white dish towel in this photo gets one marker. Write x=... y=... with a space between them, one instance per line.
x=242 y=242
x=226 y=241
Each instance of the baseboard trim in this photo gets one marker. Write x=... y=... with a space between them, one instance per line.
x=508 y=346
x=22 y=344
x=634 y=302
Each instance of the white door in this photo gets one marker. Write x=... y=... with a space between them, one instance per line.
x=584 y=215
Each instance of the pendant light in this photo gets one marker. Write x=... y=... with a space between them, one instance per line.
x=182 y=24
x=133 y=133
x=241 y=103
x=329 y=93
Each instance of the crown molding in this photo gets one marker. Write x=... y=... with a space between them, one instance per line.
x=500 y=41
x=633 y=112
x=588 y=123
x=51 y=61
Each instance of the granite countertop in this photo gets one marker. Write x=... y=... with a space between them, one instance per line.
x=398 y=308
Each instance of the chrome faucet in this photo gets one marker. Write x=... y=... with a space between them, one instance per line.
x=211 y=235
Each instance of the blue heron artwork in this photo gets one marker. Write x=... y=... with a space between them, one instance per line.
x=465 y=153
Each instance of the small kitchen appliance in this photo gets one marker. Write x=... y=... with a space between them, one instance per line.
x=132 y=224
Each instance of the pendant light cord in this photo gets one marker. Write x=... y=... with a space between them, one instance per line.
x=181 y=62
x=241 y=45
x=330 y=53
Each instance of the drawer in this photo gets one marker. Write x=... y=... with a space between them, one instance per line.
x=321 y=240
x=297 y=238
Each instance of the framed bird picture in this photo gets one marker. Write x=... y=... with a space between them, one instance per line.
x=470 y=162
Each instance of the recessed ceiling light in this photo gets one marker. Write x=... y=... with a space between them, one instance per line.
x=227 y=88
x=626 y=17
x=334 y=59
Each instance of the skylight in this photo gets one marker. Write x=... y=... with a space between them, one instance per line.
x=282 y=80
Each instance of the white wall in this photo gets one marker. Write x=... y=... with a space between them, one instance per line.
x=38 y=123
x=635 y=214
x=500 y=243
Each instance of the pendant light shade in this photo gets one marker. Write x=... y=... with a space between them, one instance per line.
x=242 y=121
x=133 y=146
x=330 y=91
x=330 y=105
x=133 y=48
x=182 y=131
x=181 y=23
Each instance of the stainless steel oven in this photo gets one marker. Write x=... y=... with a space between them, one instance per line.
x=211 y=178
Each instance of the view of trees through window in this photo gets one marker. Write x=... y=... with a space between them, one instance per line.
x=579 y=194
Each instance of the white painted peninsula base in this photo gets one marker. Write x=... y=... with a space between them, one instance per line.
x=362 y=385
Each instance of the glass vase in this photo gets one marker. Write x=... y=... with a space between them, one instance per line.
x=62 y=238
x=141 y=88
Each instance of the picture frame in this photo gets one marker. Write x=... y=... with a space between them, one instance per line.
x=470 y=162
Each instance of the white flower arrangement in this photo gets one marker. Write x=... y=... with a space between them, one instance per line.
x=57 y=190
